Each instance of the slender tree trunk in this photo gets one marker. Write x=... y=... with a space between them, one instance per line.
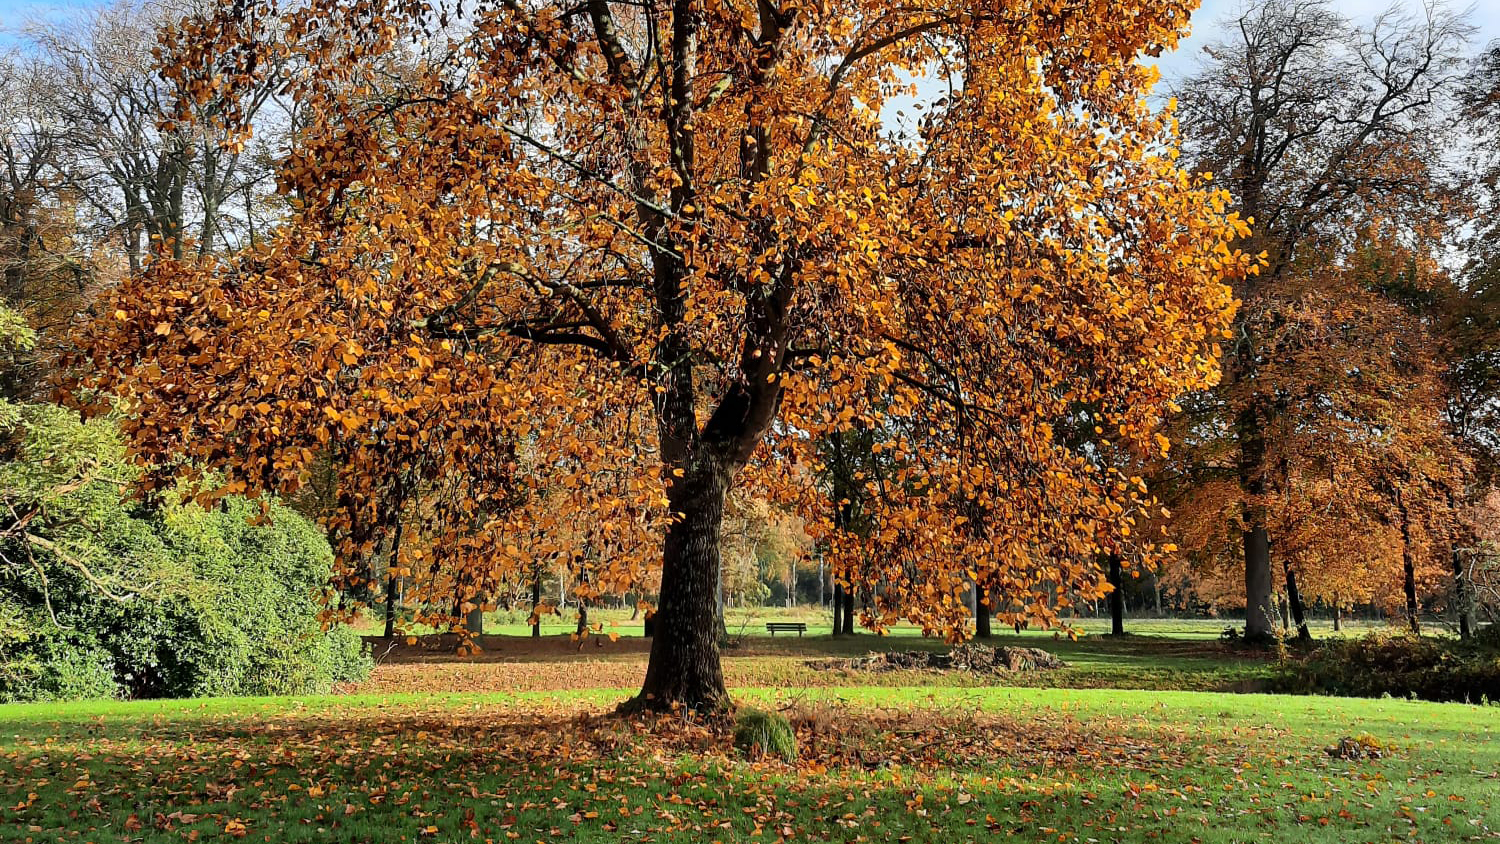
x=1156 y=590
x=1259 y=609
x=1409 y=570
x=838 y=609
x=848 y=612
x=393 y=583
x=1294 y=600
x=536 y=602
x=722 y=626
x=982 y=602
x=1116 y=597
x=684 y=667
x=1461 y=595
x=1338 y=615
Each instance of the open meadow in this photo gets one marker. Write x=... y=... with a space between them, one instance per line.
x=1136 y=740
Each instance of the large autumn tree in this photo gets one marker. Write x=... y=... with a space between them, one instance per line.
x=1323 y=131
x=662 y=234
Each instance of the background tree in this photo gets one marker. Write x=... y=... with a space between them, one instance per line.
x=1318 y=128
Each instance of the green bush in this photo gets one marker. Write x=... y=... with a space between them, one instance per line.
x=1398 y=665
x=764 y=734
x=1488 y=636
x=55 y=666
x=172 y=600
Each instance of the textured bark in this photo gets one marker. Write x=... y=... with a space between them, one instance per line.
x=474 y=621
x=1116 y=597
x=684 y=668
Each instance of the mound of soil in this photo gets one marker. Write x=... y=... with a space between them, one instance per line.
x=973 y=658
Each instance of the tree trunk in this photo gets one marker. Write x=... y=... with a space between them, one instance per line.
x=838 y=609
x=684 y=668
x=1409 y=570
x=1156 y=590
x=1294 y=600
x=848 y=612
x=536 y=602
x=722 y=626
x=393 y=583
x=474 y=621
x=1461 y=595
x=1338 y=615
x=1259 y=609
x=1116 y=597
x=982 y=602
x=1259 y=606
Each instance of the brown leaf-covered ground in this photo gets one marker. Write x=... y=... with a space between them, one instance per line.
x=507 y=663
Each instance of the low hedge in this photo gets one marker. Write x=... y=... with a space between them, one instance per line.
x=1396 y=665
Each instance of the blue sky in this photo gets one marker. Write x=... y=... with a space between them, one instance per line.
x=1485 y=15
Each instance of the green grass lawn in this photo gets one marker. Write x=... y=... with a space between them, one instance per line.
x=879 y=764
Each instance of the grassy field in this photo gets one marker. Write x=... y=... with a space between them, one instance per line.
x=878 y=764
x=431 y=749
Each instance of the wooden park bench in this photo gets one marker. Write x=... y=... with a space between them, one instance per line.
x=785 y=627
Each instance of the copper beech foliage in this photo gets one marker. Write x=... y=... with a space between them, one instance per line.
x=568 y=271
x=1364 y=477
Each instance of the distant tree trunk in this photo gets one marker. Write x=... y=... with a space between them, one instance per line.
x=838 y=609
x=393 y=583
x=1156 y=590
x=1294 y=601
x=1461 y=595
x=722 y=626
x=391 y=587
x=1257 y=542
x=1116 y=597
x=982 y=602
x=1338 y=615
x=536 y=602
x=1409 y=570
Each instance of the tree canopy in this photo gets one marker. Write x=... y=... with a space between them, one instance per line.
x=689 y=237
